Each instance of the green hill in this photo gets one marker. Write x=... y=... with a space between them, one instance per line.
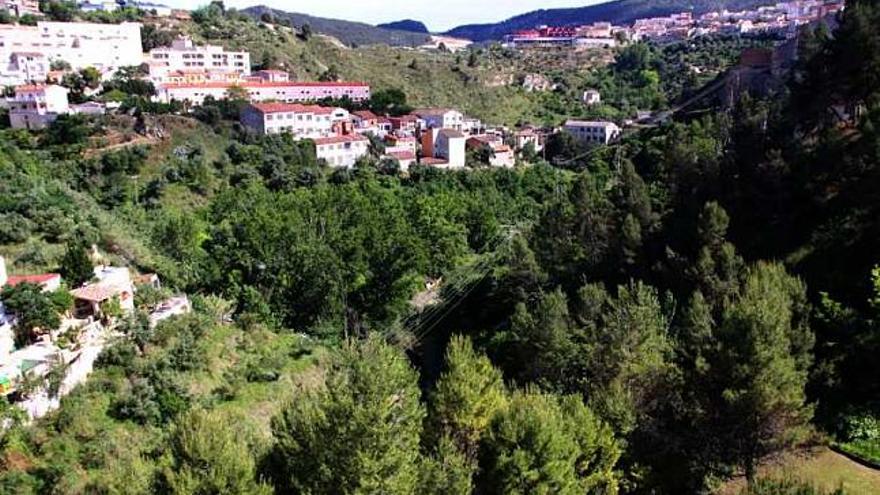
x=350 y=33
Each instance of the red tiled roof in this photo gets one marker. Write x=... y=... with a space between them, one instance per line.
x=451 y=133
x=96 y=292
x=40 y=279
x=406 y=118
x=433 y=161
x=348 y=138
x=366 y=115
x=430 y=111
x=30 y=87
x=292 y=107
x=403 y=155
x=286 y=84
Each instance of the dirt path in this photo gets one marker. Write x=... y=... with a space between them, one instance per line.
x=821 y=467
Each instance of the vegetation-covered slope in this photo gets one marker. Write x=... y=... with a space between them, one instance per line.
x=406 y=25
x=348 y=32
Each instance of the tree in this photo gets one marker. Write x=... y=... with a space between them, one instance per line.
x=305 y=32
x=208 y=457
x=473 y=61
x=762 y=367
x=359 y=433
x=58 y=10
x=90 y=77
x=446 y=471
x=33 y=310
x=468 y=395
x=76 y=265
x=545 y=444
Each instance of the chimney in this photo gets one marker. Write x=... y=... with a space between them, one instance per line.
x=2 y=271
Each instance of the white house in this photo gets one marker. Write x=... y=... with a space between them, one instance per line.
x=592 y=97
x=449 y=145
x=441 y=118
x=184 y=55
x=113 y=283
x=105 y=6
x=302 y=121
x=593 y=132
x=19 y=8
x=24 y=67
x=342 y=151
x=35 y=106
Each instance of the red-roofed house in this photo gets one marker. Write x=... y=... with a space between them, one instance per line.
x=404 y=158
x=50 y=282
x=342 y=151
x=502 y=155
x=302 y=121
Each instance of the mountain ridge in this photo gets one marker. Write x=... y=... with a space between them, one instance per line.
x=409 y=25
x=349 y=32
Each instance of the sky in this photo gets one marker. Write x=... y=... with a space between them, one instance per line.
x=438 y=15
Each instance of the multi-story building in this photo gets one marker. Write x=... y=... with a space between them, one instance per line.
x=24 y=67
x=289 y=92
x=35 y=106
x=184 y=55
x=593 y=132
x=440 y=118
x=343 y=150
x=80 y=44
x=301 y=121
x=443 y=147
x=19 y=8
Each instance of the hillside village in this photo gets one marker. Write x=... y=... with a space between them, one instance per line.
x=238 y=255
x=40 y=59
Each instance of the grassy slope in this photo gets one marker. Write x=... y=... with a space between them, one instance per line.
x=822 y=468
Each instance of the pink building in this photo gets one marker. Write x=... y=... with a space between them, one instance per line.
x=289 y=92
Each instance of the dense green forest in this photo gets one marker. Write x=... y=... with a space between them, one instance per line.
x=652 y=317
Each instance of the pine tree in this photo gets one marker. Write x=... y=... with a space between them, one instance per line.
x=357 y=434
x=76 y=266
x=208 y=456
x=467 y=397
x=763 y=367
x=543 y=444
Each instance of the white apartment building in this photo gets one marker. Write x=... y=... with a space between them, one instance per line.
x=342 y=151
x=302 y=121
x=35 y=106
x=19 y=8
x=290 y=92
x=593 y=132
x=81 y=44
x=184 y=56
x=441 y=118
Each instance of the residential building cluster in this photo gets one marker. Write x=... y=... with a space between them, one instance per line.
x=438 y=137
x=783 y=18
x=89 y=321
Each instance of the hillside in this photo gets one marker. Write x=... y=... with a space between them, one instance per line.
x=489 y=90
x=350 y=33
x=408 y=25
x=618 y=12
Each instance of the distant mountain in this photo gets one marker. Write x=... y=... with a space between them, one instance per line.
x=618 y=12
x=350 y=33
x=408 y=25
